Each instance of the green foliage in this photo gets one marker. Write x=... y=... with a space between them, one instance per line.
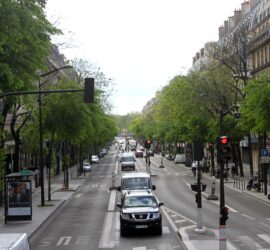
x=256 y=108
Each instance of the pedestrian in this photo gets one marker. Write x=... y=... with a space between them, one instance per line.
x=233 y=169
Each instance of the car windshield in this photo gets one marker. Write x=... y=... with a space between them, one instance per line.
x=140 y=201
x=136 y=183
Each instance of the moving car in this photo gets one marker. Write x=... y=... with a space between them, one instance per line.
x=127 y=161
x=135 y=181
x=87 y=167
x=151 y=152
x=140 y=210
x=138 y=153
x=95 y=159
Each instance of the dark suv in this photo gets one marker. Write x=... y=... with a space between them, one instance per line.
x=140 y=210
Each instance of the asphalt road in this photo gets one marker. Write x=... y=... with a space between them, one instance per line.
x=85 y=222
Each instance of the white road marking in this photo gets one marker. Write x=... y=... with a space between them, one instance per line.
x=230 y=208
x=78 y=195
x=139 y=248
x=265 y=237
x=112 y=201
x=174 y=215
x=247 y=216
x=249 y=242
x=179 y=221
x=64 y=240
x=108 y=234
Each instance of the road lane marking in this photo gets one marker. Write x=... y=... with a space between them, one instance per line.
x=265 y=237
x=78 y=195
x=179 y=221
x=108 y=234
x=112 y=201
x=64 y=240
x=249 y=242
x=247 y=216
x=139 y=248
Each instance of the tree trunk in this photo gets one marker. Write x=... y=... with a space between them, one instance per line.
x=239 y=160
x=250 y=155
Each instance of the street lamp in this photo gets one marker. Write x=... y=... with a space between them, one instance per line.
x=41 y=134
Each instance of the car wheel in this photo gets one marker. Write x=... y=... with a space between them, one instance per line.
x=123 y=230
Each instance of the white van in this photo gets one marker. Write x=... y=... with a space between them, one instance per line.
x=127 y=161
x=14 y=241
x=135 y=181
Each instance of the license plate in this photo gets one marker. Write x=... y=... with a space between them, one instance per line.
x=141 y=226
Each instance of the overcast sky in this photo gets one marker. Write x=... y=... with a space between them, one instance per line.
x=140 y=44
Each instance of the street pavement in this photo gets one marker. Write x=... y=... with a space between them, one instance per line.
x=192 y=238
x=40 y=214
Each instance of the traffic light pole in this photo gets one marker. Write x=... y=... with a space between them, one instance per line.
x=222 y=222
x=223 y=210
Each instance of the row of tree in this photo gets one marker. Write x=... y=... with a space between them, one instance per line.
x=192 y=107
x=69 y=123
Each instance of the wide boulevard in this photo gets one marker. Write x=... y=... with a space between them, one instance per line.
x=88 y=222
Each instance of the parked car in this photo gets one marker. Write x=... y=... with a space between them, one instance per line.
x=140 y=210
x=87 y=167
x=180 y=158
x=95 y=159
x=170 y=157
x=138 y=153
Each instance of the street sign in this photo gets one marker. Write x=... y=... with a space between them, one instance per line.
x=264 y=152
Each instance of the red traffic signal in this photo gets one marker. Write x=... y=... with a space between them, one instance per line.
x=224 y=149
x=224 y=140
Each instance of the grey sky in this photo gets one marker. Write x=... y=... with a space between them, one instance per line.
x=140 y=44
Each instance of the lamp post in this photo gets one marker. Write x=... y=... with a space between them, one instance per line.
x=222 y=221
x=41 y=168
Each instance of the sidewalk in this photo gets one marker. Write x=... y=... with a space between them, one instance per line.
x=41 y=213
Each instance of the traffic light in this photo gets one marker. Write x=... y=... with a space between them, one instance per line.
x=224 y=213
x=89 y=90
x=147 y=144
x=224 y=149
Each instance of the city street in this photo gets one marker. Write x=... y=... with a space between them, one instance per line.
x=88 y=221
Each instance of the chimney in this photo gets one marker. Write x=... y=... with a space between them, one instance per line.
x=193 y=60
x=221 y=32
x=237 y=16
x=231 y=23
x=197 y=55
x=245 y=8
x=226 y=27
x=202 y=52
x=253 y=3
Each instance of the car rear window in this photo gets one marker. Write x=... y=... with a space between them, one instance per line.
x=136 y=183
x=128 y=158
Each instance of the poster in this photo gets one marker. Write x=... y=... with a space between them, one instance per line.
x=19 y=198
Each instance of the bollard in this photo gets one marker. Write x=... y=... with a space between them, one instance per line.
x=212 y=196
x=161 y=163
